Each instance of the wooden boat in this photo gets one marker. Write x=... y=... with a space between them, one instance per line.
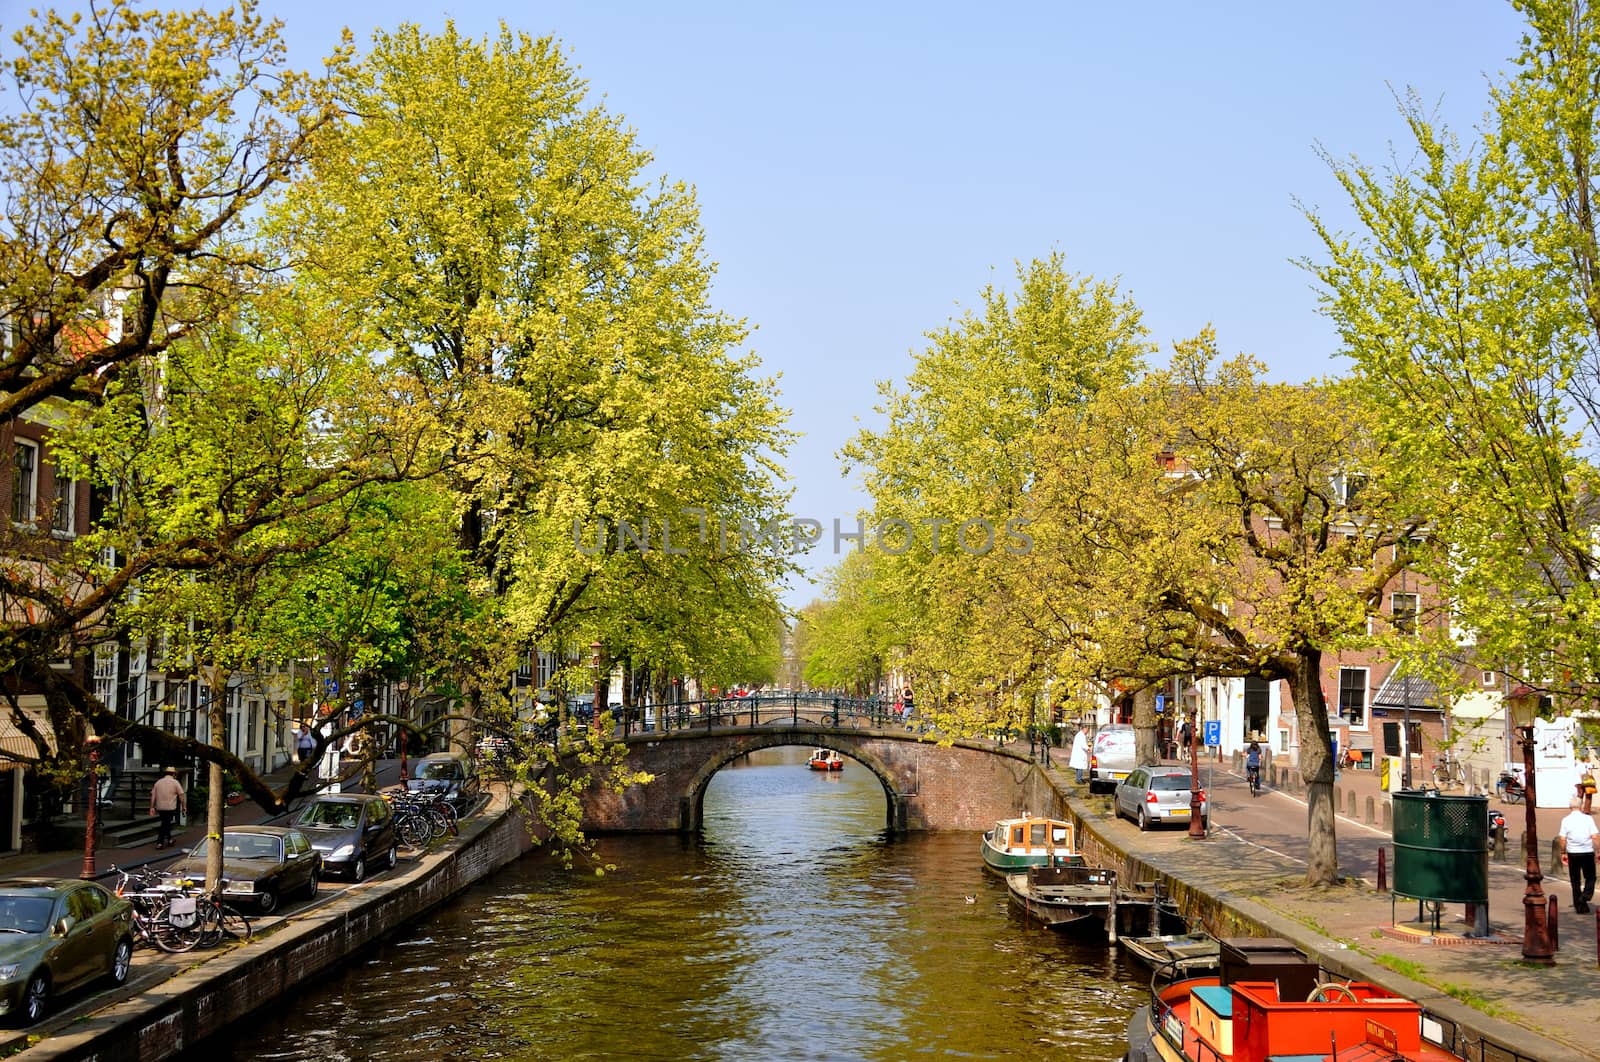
x=1261 y=1011
x=1082 y=899
x=825 y=760
x=1030 y=841
x=1177 y=956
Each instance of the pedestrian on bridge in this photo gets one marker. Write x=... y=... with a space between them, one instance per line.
x=1079 y=759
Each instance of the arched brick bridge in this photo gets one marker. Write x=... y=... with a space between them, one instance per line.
x=966 y=785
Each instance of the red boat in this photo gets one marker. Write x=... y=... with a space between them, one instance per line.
x=826 y=760
x=1261 y=1008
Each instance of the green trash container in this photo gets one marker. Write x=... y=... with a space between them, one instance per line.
x=1441 y=847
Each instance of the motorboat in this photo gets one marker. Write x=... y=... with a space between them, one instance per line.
x=1270 y=1002
x=825 y=760
x=1030 y=841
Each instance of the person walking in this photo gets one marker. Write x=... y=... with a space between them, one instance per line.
x=167 y=799
x=305 y=742
x=1576 y=839
x=1079 y=759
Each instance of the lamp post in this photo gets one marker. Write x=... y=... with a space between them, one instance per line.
x=1197 y=829
x=91 y=820
x=405 y=735
x=1522 y=704
x=599 y=689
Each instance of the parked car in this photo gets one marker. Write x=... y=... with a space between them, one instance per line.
x=55 y=935
x=448 y=774
x=260 y=866
x=1111 y=757
x=353 y=832
x=1158 y=793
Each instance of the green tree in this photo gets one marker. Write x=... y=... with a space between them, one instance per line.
x=1467 y=304
x=951 y=469
x=553 y=305
x=1228 y=527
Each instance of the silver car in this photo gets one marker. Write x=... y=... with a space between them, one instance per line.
x=1111 y=757
x=1156 y=793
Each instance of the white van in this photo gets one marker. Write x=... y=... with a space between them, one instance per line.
x=1111 y=758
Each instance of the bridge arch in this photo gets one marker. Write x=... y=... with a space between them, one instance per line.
x=692 y=812
x=927 y=784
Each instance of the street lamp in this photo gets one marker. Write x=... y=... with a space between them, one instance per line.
x=1197 y=829
x=405 y=735
x=1522 y=705
x=92 y=743
x=599 y=690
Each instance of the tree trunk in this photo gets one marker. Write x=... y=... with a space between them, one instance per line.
x=1145 y=746
x=215 y=714
x=1316 y=768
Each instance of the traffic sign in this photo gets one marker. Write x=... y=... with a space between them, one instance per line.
x=1161 y=702
x=333 y=686
x=1213 y=733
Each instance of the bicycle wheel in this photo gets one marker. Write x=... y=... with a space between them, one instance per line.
x=413 y=830
x=173 y=938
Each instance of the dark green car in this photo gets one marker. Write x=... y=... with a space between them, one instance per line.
x=55 y=935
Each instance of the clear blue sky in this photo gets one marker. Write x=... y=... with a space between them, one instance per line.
x=863 y=171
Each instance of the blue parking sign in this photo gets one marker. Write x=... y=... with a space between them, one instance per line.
x=333 y=686
x=1213 y=733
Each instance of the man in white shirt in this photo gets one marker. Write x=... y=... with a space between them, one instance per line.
x=1576 y=841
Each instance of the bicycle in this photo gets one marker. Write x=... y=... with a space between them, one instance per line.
x=1253 y=777
x=157 y=920
x=1449 y=772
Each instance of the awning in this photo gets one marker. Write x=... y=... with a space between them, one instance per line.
x=14 y=741
x=1400 y=690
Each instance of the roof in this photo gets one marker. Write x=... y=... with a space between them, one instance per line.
x=1400 y=690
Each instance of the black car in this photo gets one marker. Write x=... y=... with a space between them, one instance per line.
x=353 y=832
x=260 y=866
x=448 y=775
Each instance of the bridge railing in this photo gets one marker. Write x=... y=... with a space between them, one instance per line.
x=814 y=709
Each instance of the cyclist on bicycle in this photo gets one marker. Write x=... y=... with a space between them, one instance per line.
x=1252 y=766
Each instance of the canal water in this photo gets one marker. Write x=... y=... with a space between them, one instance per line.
x=792 y=928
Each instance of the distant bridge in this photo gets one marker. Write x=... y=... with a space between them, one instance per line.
x=927 y=785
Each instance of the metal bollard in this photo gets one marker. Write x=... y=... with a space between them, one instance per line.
x=1552 y=905
x=1383 y=870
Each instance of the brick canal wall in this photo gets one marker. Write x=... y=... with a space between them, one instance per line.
x=178 y=1014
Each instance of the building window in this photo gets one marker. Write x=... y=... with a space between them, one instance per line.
x=1403 y=609
x=1353 y=695
x=63 y=520
x=24 y=481
x=105 y=674
x=252 y=726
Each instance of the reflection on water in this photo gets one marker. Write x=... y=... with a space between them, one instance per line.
x=793 y=928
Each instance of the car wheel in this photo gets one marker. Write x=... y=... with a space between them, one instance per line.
x=1144 y=819
x=358 y=871
x=35 y=998
x=312 y=884
x=121 y=961
x=267 y=900
x=394 y=856
x=1205 y=822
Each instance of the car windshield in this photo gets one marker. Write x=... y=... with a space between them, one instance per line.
x=339 y=816
x=244 y=846
x=1169 y=783
x=440 y=770
x=25 y=914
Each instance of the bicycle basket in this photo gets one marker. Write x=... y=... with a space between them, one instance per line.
x=182 y=913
